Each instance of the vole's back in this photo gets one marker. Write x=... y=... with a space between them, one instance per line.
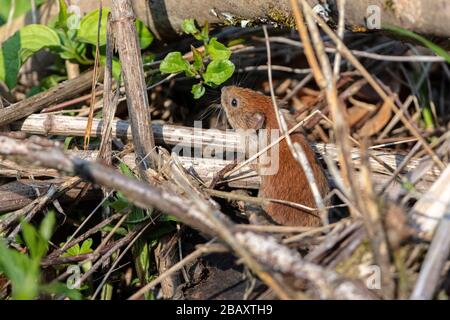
x=248 y=109
x=290 y=184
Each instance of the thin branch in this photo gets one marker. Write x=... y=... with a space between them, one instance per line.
x=296 y=149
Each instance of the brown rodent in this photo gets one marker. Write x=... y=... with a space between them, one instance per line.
x=248 y=109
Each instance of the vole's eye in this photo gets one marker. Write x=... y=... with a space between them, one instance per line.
x=234 y=102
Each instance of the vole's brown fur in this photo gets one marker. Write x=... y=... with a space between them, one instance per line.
x=252 y=110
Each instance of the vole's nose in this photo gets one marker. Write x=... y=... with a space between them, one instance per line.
x=224 y=92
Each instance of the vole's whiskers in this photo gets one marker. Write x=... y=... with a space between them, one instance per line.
x=220 y=117
x=211 y=94
x=209 y=111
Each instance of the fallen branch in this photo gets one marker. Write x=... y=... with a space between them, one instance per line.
x=18 y=194
x=181 y=136
x=432 y=206
x=65 y=90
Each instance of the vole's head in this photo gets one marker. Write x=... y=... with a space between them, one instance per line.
x=245 y=108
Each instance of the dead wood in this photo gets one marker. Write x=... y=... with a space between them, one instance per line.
x=18 y=194
x=127 y=42
x=187 y=136
x=192 y=209
x=65 y=90
x=164 y=17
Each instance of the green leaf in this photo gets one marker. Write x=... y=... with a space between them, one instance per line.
x=119 y=203
x=205 y=32
x=32 y=240
x=77 y=250
x=37 y=242
x=21 y=7
x=125 y=169
x=67 y=142
x=148 y=58
x=72 y=251
x=23 y=274
x=198 y=59
x=218 y=71
x=116 y=66
x=168 y=217
x=188 y=26
x=142 y=259
x=86 y=246
x=119 y=231
x=59 y=288
x=198 y=90
x=174 y=63
x=430 y=45
x=35 y=37
x=46 y=227
x=52 y=81
x=24 y=43
x=217 y=50
x=62 y=16
x=89 y=27
x=145 y=36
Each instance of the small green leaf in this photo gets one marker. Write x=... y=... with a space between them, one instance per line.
x=32 y=240
x=52 y=81
x=24 y=43
x=86 y=246
x=23 y=273
x=188 y=26
x=20 y=8
x=198 y=90
x=119 y=231
x=205 y=32
x=217 y=50
x=148 y=58
x=116 y=66
x=125 y=169
x=432 y=46
x=168 y=218
x=198 y=59
x=35 y=37
x=62 y=16
x=89 y=27
x=218 y=71
x=67 y=142
x=46 y=227
x=145 y=36
x=174 y=63
x=142 y=259
x=119 y=203
x=59 y=288
x=72 y=251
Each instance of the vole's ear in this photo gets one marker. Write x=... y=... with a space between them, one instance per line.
x=257 y=120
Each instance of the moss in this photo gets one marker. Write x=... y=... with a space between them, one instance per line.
x=405 y=278
x=274 y=16
x=389 y=5
x=280 y=17
x=350 y=266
